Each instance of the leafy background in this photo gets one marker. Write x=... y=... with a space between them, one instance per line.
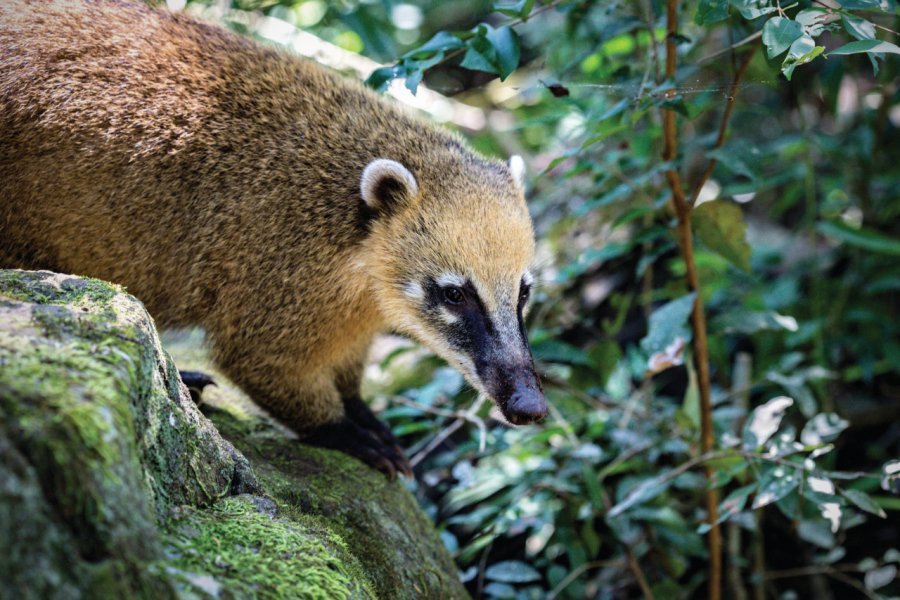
x=786 y=153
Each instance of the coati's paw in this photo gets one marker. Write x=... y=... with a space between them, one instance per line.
x=360 y=413
x=195 y=381
x=362 y=443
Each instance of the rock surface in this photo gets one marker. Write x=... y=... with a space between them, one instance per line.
x=114 y=485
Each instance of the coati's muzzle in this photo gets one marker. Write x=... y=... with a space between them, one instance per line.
x=516 y=390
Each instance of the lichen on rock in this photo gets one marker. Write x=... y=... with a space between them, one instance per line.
x=114 y=485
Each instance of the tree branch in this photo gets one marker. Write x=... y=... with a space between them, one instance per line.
x=726 y=116
x=698 y=317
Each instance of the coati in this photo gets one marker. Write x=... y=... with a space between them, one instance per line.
x=289 y=212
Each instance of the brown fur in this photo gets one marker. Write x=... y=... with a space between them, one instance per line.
x=219 y=181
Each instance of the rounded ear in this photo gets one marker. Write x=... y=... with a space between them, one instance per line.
x=386 y=184
x=517 y=168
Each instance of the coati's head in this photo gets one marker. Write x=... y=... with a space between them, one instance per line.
x=450 y=255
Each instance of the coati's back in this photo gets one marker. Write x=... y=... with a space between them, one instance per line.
x=290 y=213
x=174 y=157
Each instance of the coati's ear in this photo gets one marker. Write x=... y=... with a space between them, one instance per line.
x=517 y=168
x=386 y=184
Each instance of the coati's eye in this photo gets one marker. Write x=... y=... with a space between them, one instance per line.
x=453 y=295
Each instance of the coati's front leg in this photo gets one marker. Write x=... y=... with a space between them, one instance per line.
x=324 y=411
x=359 y=433
x=361 y=419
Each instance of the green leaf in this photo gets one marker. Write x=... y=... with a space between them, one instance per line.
x=880 y=577
x=475 y=60
x=813 y=21
x=778 y=35
x=440 y=42
x=495 y=589
x=557 y=351
x=711 y=11
x=720 y=226
x=861 y=238
x=511 y=571
x=822 y=428
x=642 y=492
x=731 y=505
x=765 y=421
x=751 y=9
x=802 y=51
x=860 y=46
x=816 y=532
x=668 y=322
x=858 y=27
x=520 y=9
x=742 y=320
x=732 y=161
x=890 y=476
x=415 y=70
x=862 y=500
x=506 y=44
x=380 y=78
x=780 y=482
x=861 y=4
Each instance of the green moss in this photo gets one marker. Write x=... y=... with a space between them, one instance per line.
x=254 y=554
x=378 y=519
x=63 y=411
x=32 y=286
x=105 y=444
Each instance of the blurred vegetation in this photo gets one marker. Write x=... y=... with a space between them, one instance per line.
x=786 y=155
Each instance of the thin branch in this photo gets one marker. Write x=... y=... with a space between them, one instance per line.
x=883 y=28
x=698 y=318
x=470 y=415
x=632 y=561
x=576 y=573
x=750 y=38
x=726 y=116
x=741 y=375
x=436 y=441
x=838 y=572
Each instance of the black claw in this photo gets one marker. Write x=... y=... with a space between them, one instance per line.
x=363 y=443
x=195 y=381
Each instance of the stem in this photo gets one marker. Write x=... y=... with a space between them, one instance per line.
x=738 y=44
x=576 y=573
x=741 y=376
x=631 y=560
x=698 y=317
x=726 y=117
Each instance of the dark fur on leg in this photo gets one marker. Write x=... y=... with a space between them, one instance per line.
x=360 y=413
x=360 y=434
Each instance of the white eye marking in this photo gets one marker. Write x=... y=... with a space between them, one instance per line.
x=414 y=291
x=450 y=279
x=448 y=317
x=528 y=278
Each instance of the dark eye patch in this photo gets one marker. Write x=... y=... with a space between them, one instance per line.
x=473 y=327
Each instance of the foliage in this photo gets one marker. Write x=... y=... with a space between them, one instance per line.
x=794 y=209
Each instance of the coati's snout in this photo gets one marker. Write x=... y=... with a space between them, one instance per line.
x=456 y=273
x=517 y=392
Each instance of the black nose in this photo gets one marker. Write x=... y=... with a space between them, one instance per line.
x=526 y=405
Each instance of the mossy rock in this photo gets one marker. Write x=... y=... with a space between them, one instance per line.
x=114 y=485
